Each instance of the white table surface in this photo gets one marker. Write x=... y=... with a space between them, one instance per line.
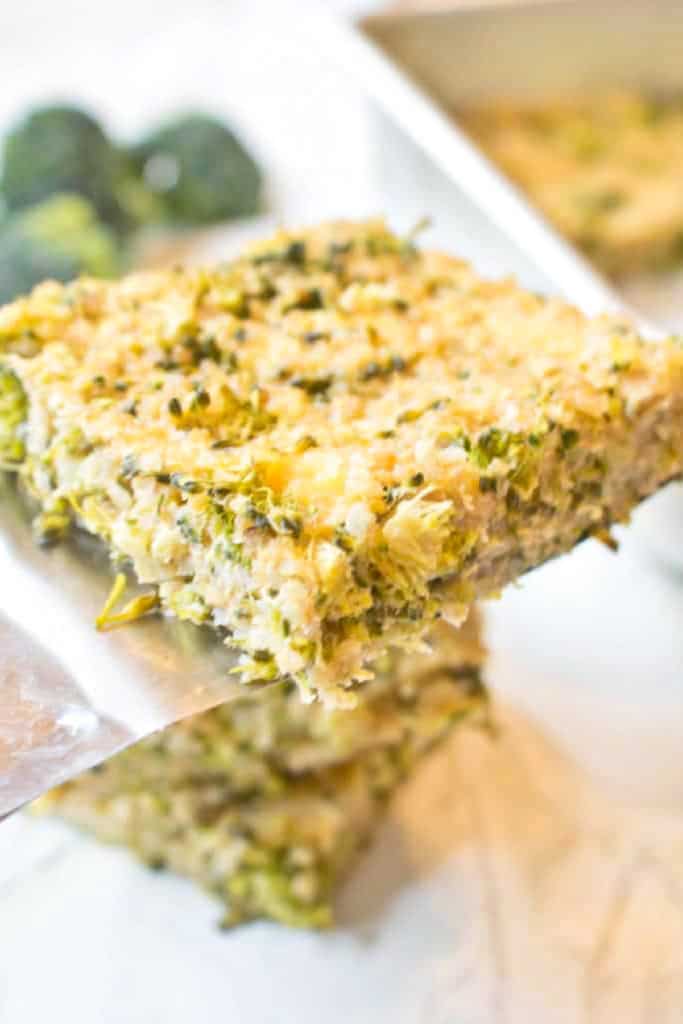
x=537 y=878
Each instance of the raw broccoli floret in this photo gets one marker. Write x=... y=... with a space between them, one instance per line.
x=58 y=240
x=200 y=171
x=59 y=149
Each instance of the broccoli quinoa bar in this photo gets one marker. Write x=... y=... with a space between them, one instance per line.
x=265 y=801
x=330 y=442
x=604 y=168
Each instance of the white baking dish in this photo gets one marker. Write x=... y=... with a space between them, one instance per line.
x=420 y=68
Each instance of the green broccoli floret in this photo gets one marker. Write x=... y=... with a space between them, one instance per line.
x=200 y=171
x=60 y=149
x=58 y=240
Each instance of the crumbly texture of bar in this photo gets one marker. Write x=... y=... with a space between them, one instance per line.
x=330 y=442
x=265 y=801
x=604 y=168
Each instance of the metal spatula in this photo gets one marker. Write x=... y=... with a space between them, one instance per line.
x=70 y=696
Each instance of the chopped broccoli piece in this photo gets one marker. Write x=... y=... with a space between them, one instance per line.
x=13 y=409
x=57 y=239
x=200 y=170
x=60 y=149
